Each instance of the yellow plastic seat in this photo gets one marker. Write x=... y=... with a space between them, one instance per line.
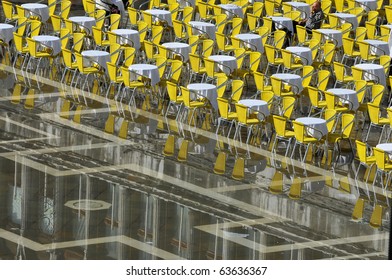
x=191 y=106
x=225 y=114
x=376 y=120
x=366 y=158
x=302 y=139
x=273 y=58
x=384 y=167
x=282 y=133
x=246 y=120
x=176 y=100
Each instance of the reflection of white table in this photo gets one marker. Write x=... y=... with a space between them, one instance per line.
x=348 y=96
x=100 y=57
x=225 y=63
x=304 y=8
x=304 y=53
x=84 y=22
x=232 y=10
x=203 y=28
x=161 y=15
x=252 y=41
x=345 y=17
x=146 y=70
x=205 y=90
x=315 y=127
x=6 y=32
x=294 y=80
x=333 y=35
x=50 y=41
x=281 y=22
x=373 y=72
x=181 y=48
x=367 y=5
x=128 y=37
x=41 y=10
x=378 y=47
x=257 y=106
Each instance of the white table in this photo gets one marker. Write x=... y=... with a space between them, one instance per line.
x=386 y=147
x=257 y=106
x=202 y=28
x=315 y=127
x=332 y=34
x=205 y=90
x=252 y=41
x=226 y=63
x=50 y=41
x=304 y=8
x=348 y=96
x=161 y=15
x=367 y=5
x=100 y=57
x=84 y=22
x=147 y=70
x=281 y=22
x=378 y=47
x=41 y=10
x=345 y=17
x=181 y=48
x=6 y=32
x=128 y=37
x=304 y=53
x=292 y=79
x=373 y=71
x=232 y=10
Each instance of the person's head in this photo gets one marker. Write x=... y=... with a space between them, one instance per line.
x=316 y=6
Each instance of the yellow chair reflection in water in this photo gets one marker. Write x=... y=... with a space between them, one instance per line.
x=239 y=169
x=220 y=163
x=296 y=189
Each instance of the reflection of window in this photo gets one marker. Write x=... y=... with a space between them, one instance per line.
x=47 y=215
x=16 y=205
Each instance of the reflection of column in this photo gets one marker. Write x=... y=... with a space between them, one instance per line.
x=149 y=226
x=183 y=240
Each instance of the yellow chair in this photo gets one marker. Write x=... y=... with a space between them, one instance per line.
x=278 y=39
x=317 y=100
x=116 y=80
x=86 y=71
x=187 y=14
x=237 y=87
x=302 y=35
x=273 y=59
x=254 y=22
x=70 y=64
x=328 y=57
x=39 y=55
x=280 y=88
x=22 y=49
x=65 y=8
x=220 y=164
x=376 y=120
x=338 y=103
x=9 y=11
x=295 y=189
x=132 y=85
x=260 y=82
x=99 y=35
x=220 y=22
x=365 y=54
x=271 y=7
x=384 y=167
x=175 y=99
x=78 y=42
x=302 y=140
x=236 y=24
x=360 y=33
x=180 y=32
x=123 y=132
x=192 y=106
x=246 y=120
x=225 y=114
x=224 y=47
x=341 y=76
x=198 y=72
x=207 y=47
x=282 y=133
x=288 y=105
x=349 y=51
x=239 y=169
x=366 y=158
x=289 y=63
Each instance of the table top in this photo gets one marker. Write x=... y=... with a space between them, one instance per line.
x=375 y=42
x=46 y=38
x=369 y=66
x=247 y=36
x=95 y=53
x=287 y=76
x=143 y=66
x=158 y=12
x=201 y=23
x=125 y=31
x=298 y=49
x=329 y=31
x=175 y=45
x=201 y=86
x=298 y=4
x=252 y=102
x=342 y=91
x=81 y=18
x=222 y=57
x=281 y=18
x=387 y=147
x=34 y=5
x=311 y=120
x=6 y=26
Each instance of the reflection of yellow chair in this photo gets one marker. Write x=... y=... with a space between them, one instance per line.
x=276 y=186
x=183 y=152
x=295 y=189
x=168 y=150
x=220 y=164
x=239 y=169
x=109 y=125
x=376 y=217
x=123 y=132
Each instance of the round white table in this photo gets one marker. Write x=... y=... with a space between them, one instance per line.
x=315 y=127
x=36 y=9
x=304 y=8
x=148 y=70
x=225 y=63
x=128 y=37
x=50 y=41
x=281 y=22
x=367 y=5
x=333 y=35
x=232 y=10
x=161 y=15
x=348 y=96
x=378 y=47
x=304 y=53
x=256 y=106
x=386 y=147
x=6 y=32
x=180 y=48
x=252 y=41
x=373 y=72
x=100 y=57
x=345 y=17
x=204 y=90
x=203 y=28
x=292 y=79
x=84 y=22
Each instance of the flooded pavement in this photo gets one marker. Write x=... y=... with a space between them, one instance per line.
x=74 y=188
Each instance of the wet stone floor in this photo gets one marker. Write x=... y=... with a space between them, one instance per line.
x=74 y=188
